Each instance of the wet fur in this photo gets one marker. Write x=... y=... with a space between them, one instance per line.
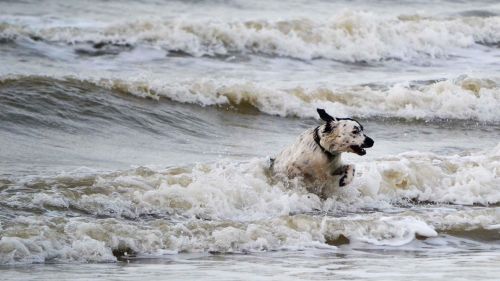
x=317 y=162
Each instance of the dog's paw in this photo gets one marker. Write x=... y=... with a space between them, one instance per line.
x=348 y=175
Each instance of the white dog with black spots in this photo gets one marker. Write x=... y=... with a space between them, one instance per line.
x=315 y=157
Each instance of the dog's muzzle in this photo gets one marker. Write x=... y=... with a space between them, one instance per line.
x=360 y=149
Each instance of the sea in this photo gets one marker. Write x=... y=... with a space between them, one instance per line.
x=136 y=138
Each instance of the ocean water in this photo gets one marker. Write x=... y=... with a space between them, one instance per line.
x=135 y=139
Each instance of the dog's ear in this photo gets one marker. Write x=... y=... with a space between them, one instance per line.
x=325 y=116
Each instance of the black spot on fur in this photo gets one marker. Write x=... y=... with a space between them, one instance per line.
x=342 y=180
x=361 y=126
x=328 y=127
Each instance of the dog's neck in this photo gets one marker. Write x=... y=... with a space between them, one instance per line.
x=317 y=139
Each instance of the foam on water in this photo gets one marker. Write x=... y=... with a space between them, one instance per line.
x=85 y=86
x=350 y=36
x=467 y=179
x=464 y=97
x=236 y=207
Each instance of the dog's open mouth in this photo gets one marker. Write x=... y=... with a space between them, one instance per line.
x=358 y=150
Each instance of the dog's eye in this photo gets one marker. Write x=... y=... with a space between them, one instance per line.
x=355 y=131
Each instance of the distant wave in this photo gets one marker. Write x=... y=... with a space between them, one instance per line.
x=233 y=207
x=349 y=36
x=462 y=98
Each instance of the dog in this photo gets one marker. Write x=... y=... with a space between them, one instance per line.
x=315 y=158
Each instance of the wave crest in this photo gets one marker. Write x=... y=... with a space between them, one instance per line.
x=462 y=98
x=350 y=36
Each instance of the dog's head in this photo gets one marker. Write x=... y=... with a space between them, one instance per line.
x=342 y=135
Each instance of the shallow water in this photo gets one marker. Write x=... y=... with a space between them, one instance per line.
x=341 y=265
x=151 y=135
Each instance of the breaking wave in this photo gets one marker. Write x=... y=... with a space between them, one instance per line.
x=462 y=98
x=349 y=36
x=237 y=207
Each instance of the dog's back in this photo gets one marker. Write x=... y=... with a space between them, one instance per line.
x=305 y=161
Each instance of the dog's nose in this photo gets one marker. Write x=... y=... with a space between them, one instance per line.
x=368 y=142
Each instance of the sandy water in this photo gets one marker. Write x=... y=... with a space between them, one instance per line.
x=151 y=135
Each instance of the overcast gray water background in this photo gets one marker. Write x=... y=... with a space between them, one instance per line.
x=146 y=127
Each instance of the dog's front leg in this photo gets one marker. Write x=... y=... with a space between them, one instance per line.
x=346 y=173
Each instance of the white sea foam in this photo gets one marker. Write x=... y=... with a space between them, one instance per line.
x=237 y=207
x=457 y=179
x=346 y=36
x=464 y=97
